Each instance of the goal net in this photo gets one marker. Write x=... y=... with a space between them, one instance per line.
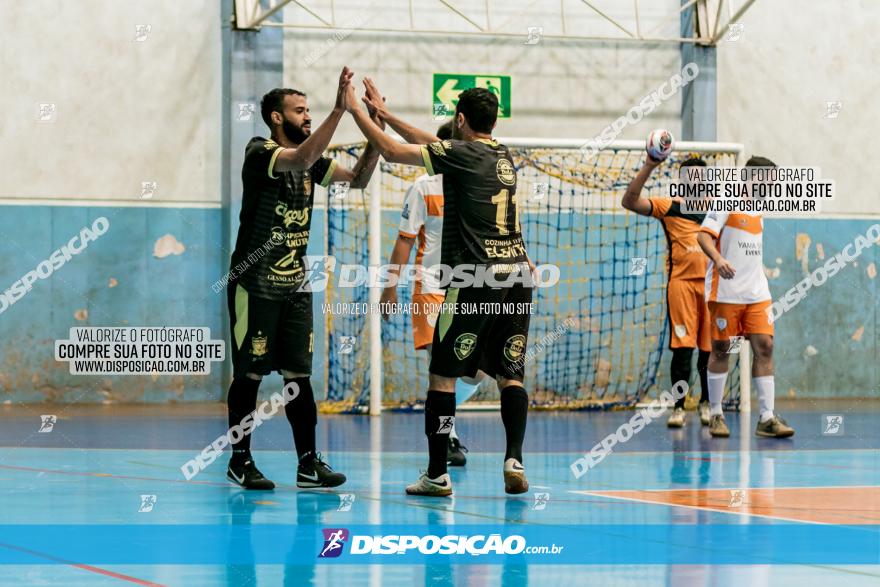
x=598 y=338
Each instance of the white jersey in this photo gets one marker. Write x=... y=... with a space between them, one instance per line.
x=422 y=219
x=740 y=240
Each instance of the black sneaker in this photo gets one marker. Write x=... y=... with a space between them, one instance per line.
x=455 y=453
x=317 y=474
x=247 y=475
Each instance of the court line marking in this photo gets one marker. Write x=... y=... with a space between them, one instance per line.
x=729 y=511
x=85 y=567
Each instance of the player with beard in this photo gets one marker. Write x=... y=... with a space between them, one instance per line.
x=271 y=315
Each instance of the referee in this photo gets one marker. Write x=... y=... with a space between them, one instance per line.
x=271 y=321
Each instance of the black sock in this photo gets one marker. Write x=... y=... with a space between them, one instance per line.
x=514 y=413
x=302 y=413
x=241 y=401
x=439 y=419
x=703 y=370
x=680 y=370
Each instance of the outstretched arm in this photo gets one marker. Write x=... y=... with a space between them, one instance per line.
x=632 y=198
x=375 y=101
x=311 y=149
x=390 y=149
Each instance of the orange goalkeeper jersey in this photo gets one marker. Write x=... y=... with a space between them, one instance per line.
x=686 y=259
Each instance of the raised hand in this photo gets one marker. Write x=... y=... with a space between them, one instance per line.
x=344 y=84
x=374 y=100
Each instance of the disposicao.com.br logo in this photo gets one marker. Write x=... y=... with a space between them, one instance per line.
x=431 y=544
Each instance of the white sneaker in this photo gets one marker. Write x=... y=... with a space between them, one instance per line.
x=705 y=413
x=676 y=420
x=439 y=487
x=515 y=477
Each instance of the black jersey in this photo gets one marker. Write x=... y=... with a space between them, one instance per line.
x=275 y=219
x=480 y=213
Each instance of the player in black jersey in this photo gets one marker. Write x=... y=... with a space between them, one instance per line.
x=270 y=310
x=480 y=326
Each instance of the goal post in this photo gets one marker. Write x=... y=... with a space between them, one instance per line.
x=597 y=337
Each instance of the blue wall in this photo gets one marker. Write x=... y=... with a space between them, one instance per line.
x=839 y=319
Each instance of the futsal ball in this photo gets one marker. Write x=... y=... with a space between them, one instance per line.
x=659 y=144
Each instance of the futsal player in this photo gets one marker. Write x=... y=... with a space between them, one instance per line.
x=271 y=317
x=685 y=303
x=422 y=221
x=481 y=228
x=738 y=297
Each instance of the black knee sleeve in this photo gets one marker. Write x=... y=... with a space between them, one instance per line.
x=703 y=371
x=680 y=368
x=303 y=405
x=439 y=408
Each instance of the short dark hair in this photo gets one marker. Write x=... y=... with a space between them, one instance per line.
x=273 y=101
x=480 y=109
x=444 y=133
x=756 y=161
x=693 y=162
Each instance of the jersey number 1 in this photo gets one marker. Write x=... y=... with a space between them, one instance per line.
x=500 y=201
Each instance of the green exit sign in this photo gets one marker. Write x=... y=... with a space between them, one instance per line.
x=447 y=87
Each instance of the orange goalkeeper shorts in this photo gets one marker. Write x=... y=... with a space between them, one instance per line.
x=688 y=315
x=425 y=310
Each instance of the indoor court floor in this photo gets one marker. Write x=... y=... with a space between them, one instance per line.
x=100 y=500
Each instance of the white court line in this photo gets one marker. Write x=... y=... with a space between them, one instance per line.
x=727 y=511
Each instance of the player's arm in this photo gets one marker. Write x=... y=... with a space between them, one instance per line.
x=707 y=243
x=376 y=102
x=359 y=177
x=632 y=198
x=311 y=149
x=399 y=257
x=390 y=149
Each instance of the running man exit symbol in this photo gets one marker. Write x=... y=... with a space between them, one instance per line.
x=447 y=87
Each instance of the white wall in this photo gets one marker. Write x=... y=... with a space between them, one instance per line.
x=559 y=89
x=127 y=111
x=773 y=84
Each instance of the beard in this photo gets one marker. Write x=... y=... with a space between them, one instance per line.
x=295 y=134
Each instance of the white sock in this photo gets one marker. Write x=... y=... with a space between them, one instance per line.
x=766 y=389
x=452 y=433
x=716 y=391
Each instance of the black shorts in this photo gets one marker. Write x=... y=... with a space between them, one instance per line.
x=270 y=335
x=482 y=328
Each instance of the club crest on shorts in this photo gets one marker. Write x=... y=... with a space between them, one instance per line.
x=506 y=172
x=721 y=323
x=681 y=330
x=259 y=345
x=514 y=347
x=465 y=345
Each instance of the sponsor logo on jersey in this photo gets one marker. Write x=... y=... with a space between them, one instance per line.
x=464 y=345
x=405 y=213
x=259 y=345
x=506 y=172
x=514 y=347
x=439 y=149
x=270 y=145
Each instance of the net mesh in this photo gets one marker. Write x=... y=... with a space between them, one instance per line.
x=597 y=338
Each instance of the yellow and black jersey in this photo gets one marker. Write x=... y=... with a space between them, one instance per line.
x=481 y=223
x=275 y=220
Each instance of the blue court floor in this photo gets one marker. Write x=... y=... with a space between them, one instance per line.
x=100 y=500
